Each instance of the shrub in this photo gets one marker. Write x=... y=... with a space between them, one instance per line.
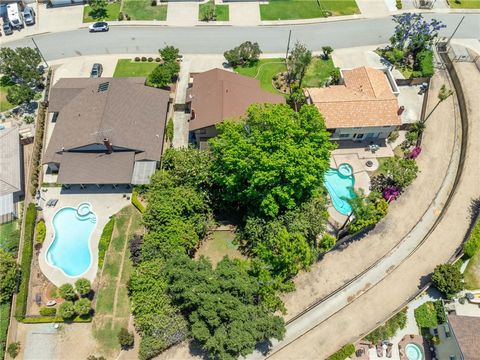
x=169 y=130
x=67 y=292
x=426 y=317
x=244 y=54
x=425 y=63
x=136 y=202
x=105 y=241
x=367 y=211
x=448 y=279
x=150 y=59
x=83 y=286
x=327 y=50
x=327 y=243
x=416 y=74
x=144 y=58
x=48 y=311
x=54 y=319
x=120 y=16
x=41 y=231
x=472 y=245
x=135 y=245
x=125 y=339
x=66 y=310
x=83 y=307
x=399 y=4
x=27 y=251
x=127 y=17
x=388 y=330
x=169 y=53
x=157 y=59
x=343 y=353
x=28 y=119
x=8 y=276
x=393 y=136
x=154 y=3
x=13 y=349
x=137 y=59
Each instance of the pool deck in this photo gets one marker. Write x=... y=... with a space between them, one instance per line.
x=420 y=341
x=105 y=203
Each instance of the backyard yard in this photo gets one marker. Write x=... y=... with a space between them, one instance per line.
x=218 y=245
x=112 y=13
x=112 y=310
x=318 y=72
x=143 y=10
x=129 y=68
x=306 y=9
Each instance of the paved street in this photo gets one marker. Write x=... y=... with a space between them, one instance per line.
x=215 y=40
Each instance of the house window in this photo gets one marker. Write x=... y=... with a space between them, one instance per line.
x=435 y=332
x=359 y=136
x=452 y=357
x=344 y=135
x=202 y=131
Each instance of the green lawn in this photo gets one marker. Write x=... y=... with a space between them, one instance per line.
x=4 y=104
x=472 y=273
x=465 y=4
x=264 y=70
x=112 y=313
x=4 y=320
x=128 y=68
x=222 y=11
x=219 y=244
x=306 y=9
x=9 y=236
x=112 y=13
x=143 y=10
x=318 y=72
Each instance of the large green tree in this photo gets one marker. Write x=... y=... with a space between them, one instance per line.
x=20 y=64
x=8 y=275
x=448 y=279
x=272 y=161
x=297 y=63
x=20 y=94
x=221 y=305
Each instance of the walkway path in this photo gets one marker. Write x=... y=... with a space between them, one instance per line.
x=375 y=303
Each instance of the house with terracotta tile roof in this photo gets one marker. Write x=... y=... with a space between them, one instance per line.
x=363 y=107
x=216 y=95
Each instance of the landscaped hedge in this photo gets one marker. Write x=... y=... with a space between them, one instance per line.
x=37 y=148
x=343 y=353
x=388 y=330
x=426 y=316
x=4 y=320
x=425 y=63
x=41 y=232
x=105 y=241
x=21 y=305
x=48 y=311
x=136 y=202
x=472 y=245
x=54 y=319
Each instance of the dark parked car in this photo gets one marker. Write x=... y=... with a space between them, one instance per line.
x=96 y=71
x=29 y=15
x=98 y=26
x=7 y=28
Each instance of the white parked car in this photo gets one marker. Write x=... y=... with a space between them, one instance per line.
x=98 y=26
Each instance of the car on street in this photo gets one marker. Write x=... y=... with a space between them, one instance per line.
x=97 y=70
x=98 y=26
x=29 y=15
x=7 y=28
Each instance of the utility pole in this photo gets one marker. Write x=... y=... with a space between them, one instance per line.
x=454 y=31
x=38 y=49
x=288 y=44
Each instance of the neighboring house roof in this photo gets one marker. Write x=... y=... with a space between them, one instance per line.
x=96 y=168
x=467 y=332
x=10 y=176
x=365 y=99
x=128 y=113
x=219 y=94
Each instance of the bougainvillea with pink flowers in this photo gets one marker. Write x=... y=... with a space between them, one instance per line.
x=391 y=193
x=415 y=152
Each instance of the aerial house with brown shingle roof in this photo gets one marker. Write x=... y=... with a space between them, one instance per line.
x=364 y=106
x=106 y=130
x=216 y=95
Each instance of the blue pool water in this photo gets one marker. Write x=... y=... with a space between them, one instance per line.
x=339 y=183
x=70 y=250
x=413 y=352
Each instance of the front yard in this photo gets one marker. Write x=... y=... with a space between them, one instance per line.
x=112 y=13
x=465 y=4
x=131 y=68
x=306 y=9
x=143 y=10
x=264 y=70
x=318 y=72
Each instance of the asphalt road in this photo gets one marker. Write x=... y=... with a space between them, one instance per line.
x=217 y=39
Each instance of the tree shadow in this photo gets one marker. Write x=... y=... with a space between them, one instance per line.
x=98 y=14
x=195 y=349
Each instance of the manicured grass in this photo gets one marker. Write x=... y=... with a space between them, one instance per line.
x=465 y=4
x=222 y=11
x=9 y=236
x=143 y=10
x=4 y=320
x=4 y=104
x=112 y=313
x=112 y=13
x=219 y=244
x=306 y=9
x=318 y=72
x=472 y=273
x=130 y=68
x=264 y=70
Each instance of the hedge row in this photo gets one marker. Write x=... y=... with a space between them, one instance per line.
x=424 y=64
x=472 y=245
x=37 y=148
x=21 y=305
x=4 y=320
x=136 y=202
x=105 y=241
x=343 y=353
x=54 y=319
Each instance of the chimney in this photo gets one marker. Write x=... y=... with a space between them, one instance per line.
x=108 y=145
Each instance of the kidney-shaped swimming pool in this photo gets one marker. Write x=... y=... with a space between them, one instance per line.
x=70 y=250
